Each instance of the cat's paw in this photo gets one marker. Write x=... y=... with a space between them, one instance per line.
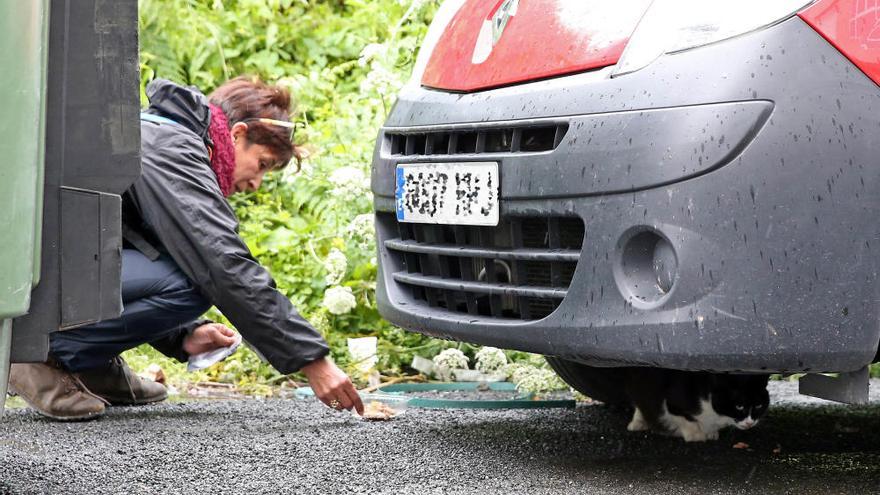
x=693 y=434
x=712 y=435
x=638 y=424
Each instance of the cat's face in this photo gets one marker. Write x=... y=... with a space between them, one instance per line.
x=741 y=397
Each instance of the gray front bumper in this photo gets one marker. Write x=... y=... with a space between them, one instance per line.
x=756 y=158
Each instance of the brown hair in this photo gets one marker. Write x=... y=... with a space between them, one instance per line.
x=245 y=98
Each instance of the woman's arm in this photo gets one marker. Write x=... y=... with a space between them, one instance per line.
x=178 y=198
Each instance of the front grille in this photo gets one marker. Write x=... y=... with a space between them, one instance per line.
x=512 y=139
x=520 y=269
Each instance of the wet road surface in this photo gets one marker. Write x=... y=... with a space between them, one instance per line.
x=298 y=446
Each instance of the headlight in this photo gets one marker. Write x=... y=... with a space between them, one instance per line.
x=670 y=26
x=442 y=18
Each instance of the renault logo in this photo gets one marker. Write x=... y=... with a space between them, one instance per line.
x=492 y=29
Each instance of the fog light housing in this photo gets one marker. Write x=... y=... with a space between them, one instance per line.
x=647 y=268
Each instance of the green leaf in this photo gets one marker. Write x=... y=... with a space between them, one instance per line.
x=271 y=36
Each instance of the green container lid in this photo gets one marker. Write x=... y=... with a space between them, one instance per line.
x=527 y=401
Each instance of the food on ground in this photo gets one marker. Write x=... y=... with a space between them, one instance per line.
x=378 y=411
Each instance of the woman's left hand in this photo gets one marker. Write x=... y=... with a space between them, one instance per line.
x=208 y=337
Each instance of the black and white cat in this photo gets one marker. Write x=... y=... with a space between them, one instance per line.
x=695 y=405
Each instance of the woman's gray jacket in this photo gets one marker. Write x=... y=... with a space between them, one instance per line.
x=176 y=206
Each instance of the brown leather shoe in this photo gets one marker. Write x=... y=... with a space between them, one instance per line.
x=119 y=386
x=54 y=392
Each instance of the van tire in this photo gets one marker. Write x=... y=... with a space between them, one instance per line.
x=602 y=384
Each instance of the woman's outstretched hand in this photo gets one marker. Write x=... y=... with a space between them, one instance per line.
x=332 y=386
x=208 y=337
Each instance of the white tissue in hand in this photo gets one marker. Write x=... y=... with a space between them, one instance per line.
x=205 y=359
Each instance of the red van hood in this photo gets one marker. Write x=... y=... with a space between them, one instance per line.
x=491 y=43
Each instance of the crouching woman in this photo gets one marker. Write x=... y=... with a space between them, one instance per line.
x=183 y=254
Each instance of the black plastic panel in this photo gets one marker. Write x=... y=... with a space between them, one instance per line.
x=520 y=269
x=90 y=257
x=92 y=143
x=616 y=152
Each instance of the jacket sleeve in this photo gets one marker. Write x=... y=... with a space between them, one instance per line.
x=178 y=199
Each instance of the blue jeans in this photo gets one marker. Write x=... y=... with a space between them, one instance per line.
x=158 y=300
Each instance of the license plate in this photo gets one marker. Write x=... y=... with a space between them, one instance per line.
x=448 y=193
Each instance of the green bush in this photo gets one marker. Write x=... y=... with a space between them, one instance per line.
x=343 y=61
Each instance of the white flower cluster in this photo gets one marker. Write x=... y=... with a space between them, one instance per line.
x=349 y=181
x=320 y=321
x=381 y=80
x=336 y=263
x=371 y=52
x=490 y=359
x=532 y=379
x=339 y=300
x=362 y=231
x=513 y=371
x=448 y=360
x=540 y=380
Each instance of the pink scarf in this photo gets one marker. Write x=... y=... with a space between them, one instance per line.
x=223 y=154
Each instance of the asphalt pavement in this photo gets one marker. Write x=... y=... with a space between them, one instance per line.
x=298 y=446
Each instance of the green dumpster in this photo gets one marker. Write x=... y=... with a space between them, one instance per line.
x=69 y=147
x=23 y=35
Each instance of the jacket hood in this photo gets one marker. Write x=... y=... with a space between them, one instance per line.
x=185 y=105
